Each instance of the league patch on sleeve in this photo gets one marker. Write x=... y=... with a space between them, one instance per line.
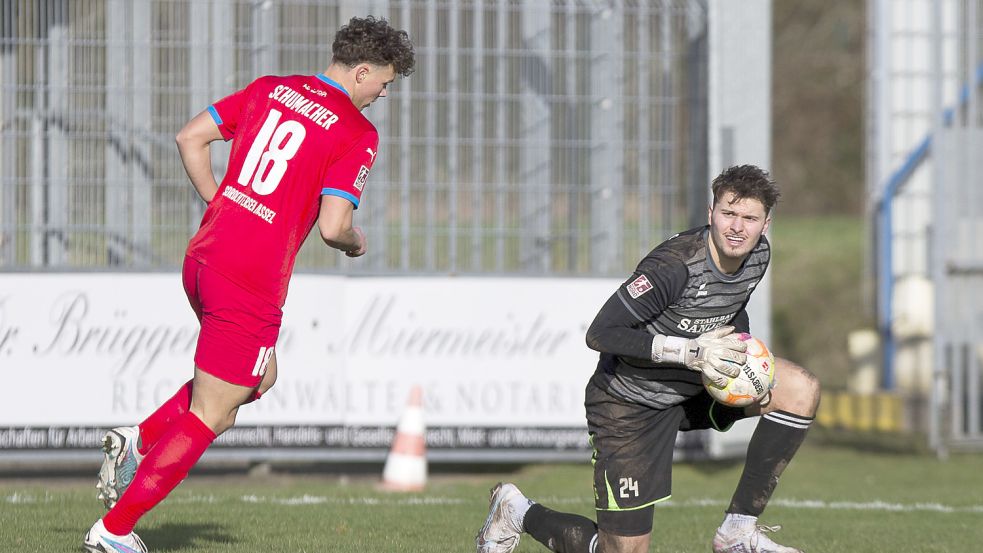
x=639 y=286
x=363 y=174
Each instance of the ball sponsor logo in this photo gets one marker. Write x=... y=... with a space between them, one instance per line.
x=753 y=378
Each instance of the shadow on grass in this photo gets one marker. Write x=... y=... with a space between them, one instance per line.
x=175 y=536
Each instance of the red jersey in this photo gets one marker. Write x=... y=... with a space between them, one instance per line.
x=294 y=139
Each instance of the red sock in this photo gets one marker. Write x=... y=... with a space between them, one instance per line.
x=164 y=467
x=160 y=420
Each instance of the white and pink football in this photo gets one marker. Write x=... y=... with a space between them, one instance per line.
x=753 y=382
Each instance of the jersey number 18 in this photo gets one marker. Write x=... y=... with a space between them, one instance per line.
x=275 y=144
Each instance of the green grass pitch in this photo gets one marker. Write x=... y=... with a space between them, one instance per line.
x=830 y=500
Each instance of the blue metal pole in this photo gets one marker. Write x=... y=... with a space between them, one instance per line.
x=885 y=210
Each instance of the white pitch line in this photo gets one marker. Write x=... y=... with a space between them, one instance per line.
x=20 y=498
x=876 y=505
x=319 y=499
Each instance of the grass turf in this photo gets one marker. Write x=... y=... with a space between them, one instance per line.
x=818 y=292
x=830 y=499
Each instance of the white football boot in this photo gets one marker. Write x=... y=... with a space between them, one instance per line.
x=120 y=464
x=751 y=539
x=503 y=527
x=99 y=540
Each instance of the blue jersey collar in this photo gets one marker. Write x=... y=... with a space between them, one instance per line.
x=332 y=83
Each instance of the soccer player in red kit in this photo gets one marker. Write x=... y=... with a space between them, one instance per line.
x=301 y=152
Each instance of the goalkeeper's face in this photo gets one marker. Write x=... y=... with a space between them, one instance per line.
x=735 y=227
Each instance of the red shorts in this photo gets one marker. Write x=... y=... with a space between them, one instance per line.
x=238 y=329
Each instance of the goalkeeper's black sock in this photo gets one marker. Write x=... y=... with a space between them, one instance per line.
x=776 y=439
x=561 y=532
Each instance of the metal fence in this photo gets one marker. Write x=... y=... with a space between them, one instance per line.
x=958 y=275
x=924 y=152
x=561 y=137
x=957 y=233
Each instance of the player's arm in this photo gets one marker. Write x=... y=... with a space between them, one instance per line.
x=193 y=144
x=334 y=222
x=619 y=327
x=613 y=331
x=341 y=193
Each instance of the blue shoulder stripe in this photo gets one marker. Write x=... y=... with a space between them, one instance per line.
x=215 y=116
x=340 y=193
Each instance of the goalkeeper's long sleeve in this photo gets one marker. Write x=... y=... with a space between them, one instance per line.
x=622 y=328
x=616 y=330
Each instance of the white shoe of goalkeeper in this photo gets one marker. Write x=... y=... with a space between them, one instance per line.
x=751 y=539
x=503 y=527
x=120 y=463
x=99 y=540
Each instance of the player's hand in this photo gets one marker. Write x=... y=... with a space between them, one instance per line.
x=716 y=355
x=360 y=249
x=717 y=378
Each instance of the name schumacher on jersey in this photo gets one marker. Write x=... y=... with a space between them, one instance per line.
x=302 y=105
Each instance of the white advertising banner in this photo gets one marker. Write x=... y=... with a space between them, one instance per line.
x=501 y=361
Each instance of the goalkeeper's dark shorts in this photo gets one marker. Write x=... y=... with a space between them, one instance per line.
x=633 y=447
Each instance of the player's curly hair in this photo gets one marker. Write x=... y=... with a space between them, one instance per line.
x=372 y=40
x=747 y=181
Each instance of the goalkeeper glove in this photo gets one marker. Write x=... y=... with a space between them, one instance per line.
x=710 y=353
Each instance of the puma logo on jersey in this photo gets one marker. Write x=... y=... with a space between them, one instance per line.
x=371 y=153
x=702 y=291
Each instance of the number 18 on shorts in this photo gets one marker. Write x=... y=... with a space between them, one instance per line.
x=238 y=329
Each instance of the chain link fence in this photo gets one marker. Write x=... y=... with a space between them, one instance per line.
x=562 y=137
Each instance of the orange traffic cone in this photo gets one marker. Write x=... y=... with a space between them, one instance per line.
x=406 y=465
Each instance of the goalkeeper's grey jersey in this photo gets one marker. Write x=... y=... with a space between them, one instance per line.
x=677 y=290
